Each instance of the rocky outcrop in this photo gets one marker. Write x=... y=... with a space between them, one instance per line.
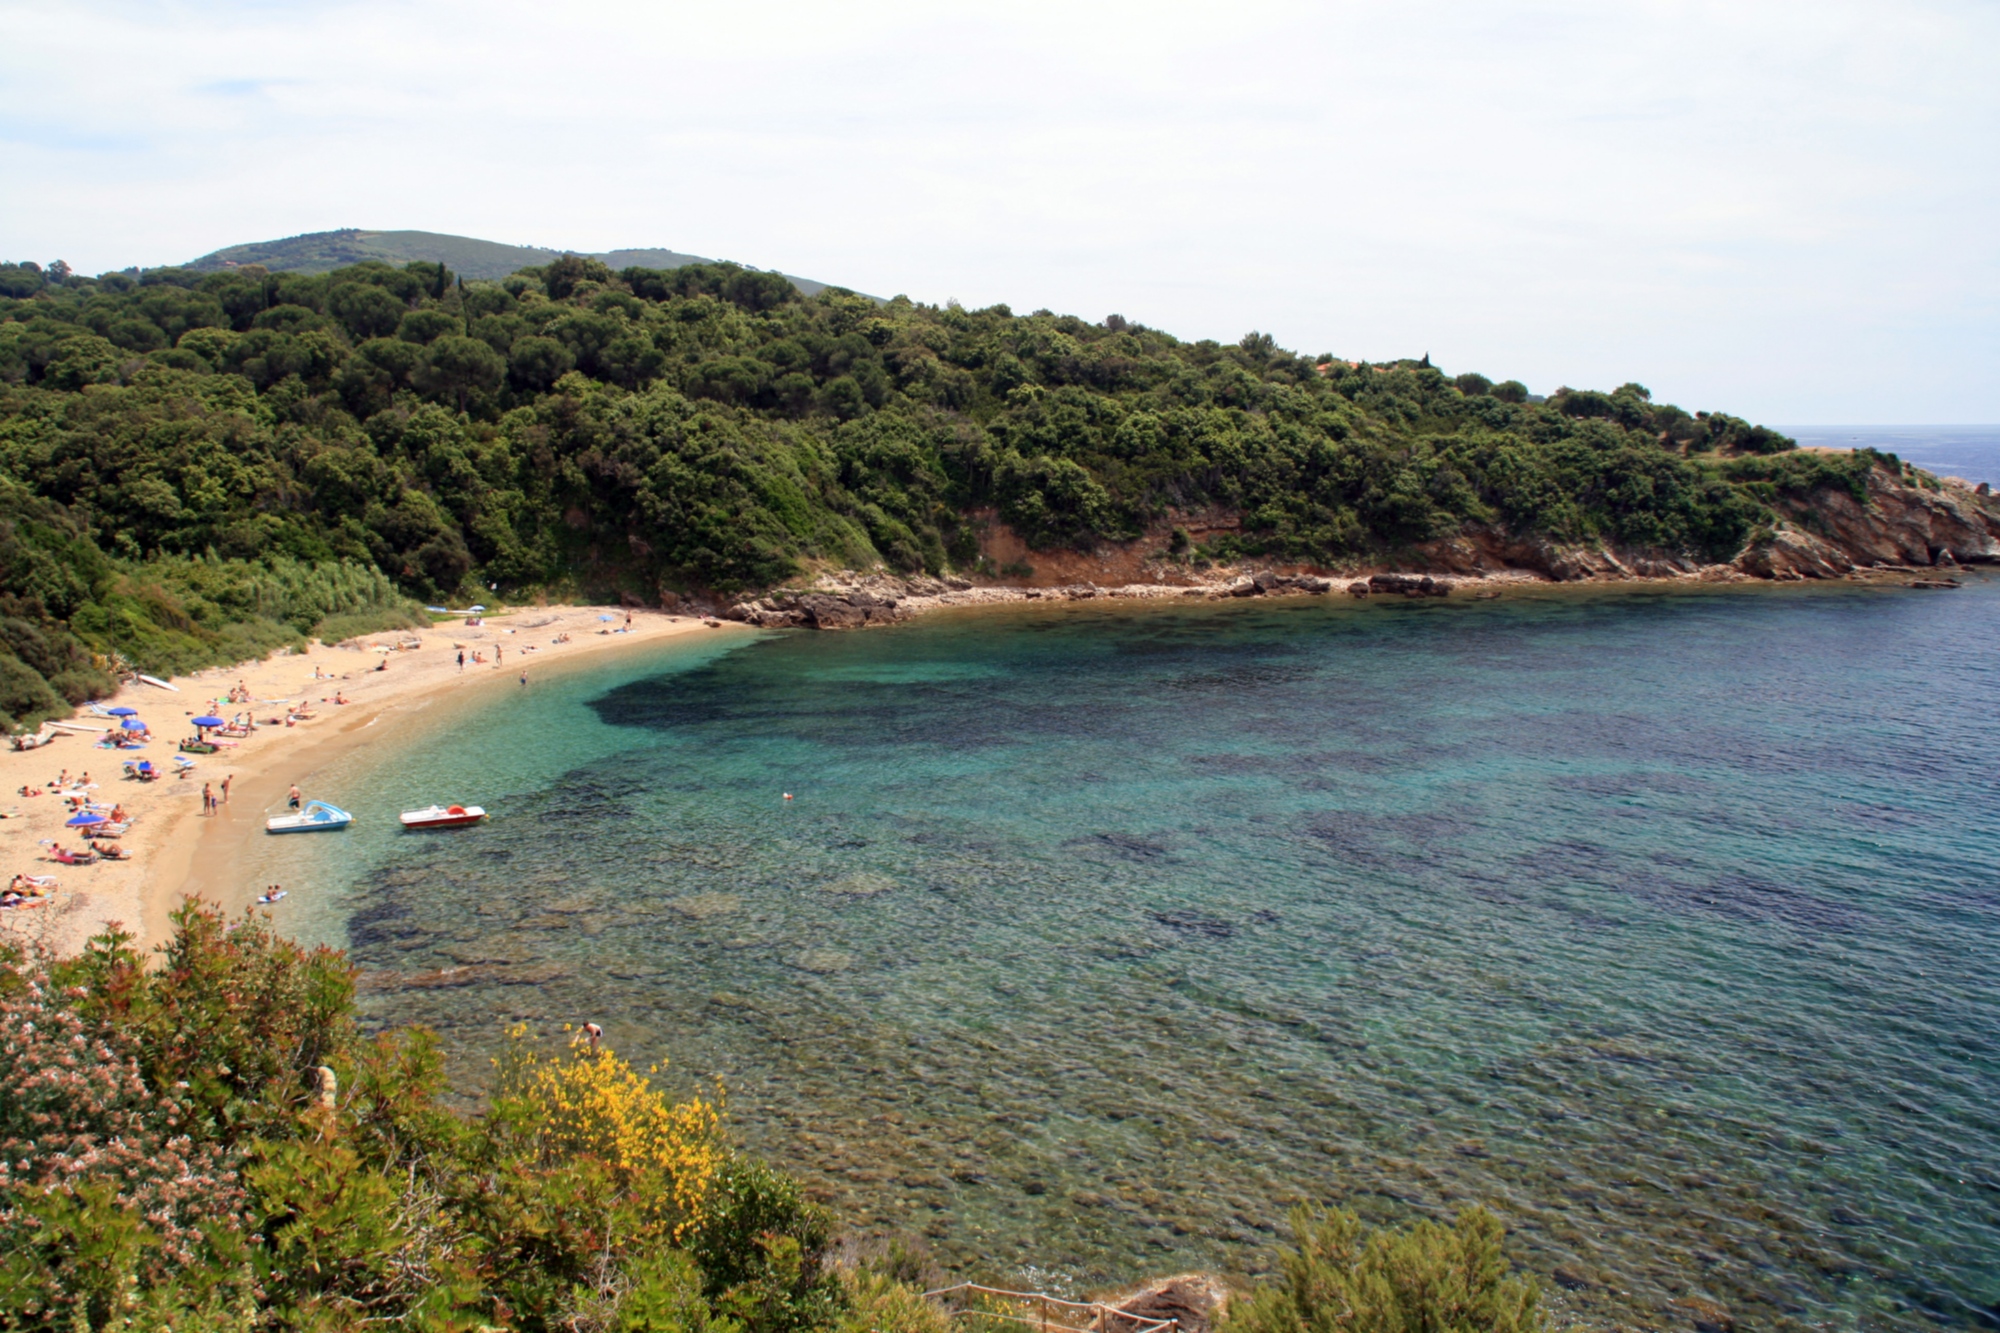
x=1408 y=585
x=1913 y=522
x=1196 y=1301
x=1908 y=523
x=1480 y=551
x=1267 y=584
x=875 y=600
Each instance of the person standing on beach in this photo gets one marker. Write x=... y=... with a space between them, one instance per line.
x=292 y=797
x=461 y=659
x=225 y=787
x=207 y=799
x=496 y=654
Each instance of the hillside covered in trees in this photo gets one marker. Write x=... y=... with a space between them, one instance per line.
x=185 y=454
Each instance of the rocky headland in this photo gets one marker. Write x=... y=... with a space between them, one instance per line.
x=1912 y=529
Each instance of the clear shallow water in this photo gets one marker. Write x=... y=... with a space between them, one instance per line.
x=1664 y=924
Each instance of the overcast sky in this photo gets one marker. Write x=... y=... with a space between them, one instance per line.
x=1786 y=211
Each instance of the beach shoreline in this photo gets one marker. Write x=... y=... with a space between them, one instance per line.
x=177 y=850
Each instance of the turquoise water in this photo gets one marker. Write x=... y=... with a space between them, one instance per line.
x=1096 y=936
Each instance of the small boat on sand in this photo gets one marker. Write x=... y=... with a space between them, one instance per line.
x=443 y=816
x=317 y=816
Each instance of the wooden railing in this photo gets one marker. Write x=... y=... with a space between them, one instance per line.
x=1048 y=1314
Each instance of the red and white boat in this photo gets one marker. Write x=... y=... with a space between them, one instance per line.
x=443 y=816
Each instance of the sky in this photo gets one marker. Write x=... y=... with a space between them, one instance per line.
x=1789 y=212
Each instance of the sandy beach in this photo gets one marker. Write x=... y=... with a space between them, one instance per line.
x=176 y=849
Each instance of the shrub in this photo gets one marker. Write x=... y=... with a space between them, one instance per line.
x=166 y=1164
x=585 y=1102
x=878 y=1303
x=763 y=1247
x=1428 y=1279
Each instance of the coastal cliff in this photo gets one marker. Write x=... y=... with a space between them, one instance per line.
x=1901 y=523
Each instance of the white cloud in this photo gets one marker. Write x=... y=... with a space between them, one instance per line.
x=1784 y=210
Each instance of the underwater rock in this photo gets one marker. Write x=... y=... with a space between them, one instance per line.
x=822 y=962
x=1194 y=923
x=705 y=906
x=502 y=951
x=1708 y=1316
x=481 y=974
x=863 y=884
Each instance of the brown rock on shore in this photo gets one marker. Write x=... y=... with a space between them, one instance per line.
x=1908 y=524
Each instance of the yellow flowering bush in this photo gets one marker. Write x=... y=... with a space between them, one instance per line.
x=587 y=1102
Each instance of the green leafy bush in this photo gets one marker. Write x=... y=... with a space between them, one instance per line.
x=171 y=1157
x=1427 y=1279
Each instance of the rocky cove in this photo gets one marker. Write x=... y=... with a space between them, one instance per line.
x=1092 y=941
x=1910 y=528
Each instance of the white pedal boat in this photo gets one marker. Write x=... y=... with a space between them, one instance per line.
x=443 y=816
x=317 y=816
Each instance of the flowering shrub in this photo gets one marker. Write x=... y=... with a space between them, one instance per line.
x=102 y=1186
x=168 y=1161
x=586 y=1102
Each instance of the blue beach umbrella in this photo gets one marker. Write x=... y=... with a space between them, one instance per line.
x=210 y=722
x=133 y=724
x=87 y=819
x=122 y=711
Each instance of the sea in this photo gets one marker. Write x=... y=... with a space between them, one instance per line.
x=1082 y=943
x=1971 y=452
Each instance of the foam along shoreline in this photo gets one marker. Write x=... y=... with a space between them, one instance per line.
x=176 y=850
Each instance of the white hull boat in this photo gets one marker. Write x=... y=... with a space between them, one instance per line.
x=444 y=816
x=316 y=817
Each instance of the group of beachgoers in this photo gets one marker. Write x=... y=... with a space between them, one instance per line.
x=27 y=891
x=61 y=785
x=213 y=798
x=100 y=836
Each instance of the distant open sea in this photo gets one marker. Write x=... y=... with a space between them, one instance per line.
x=1972 y=452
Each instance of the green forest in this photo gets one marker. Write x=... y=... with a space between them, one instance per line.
x=195 y=463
